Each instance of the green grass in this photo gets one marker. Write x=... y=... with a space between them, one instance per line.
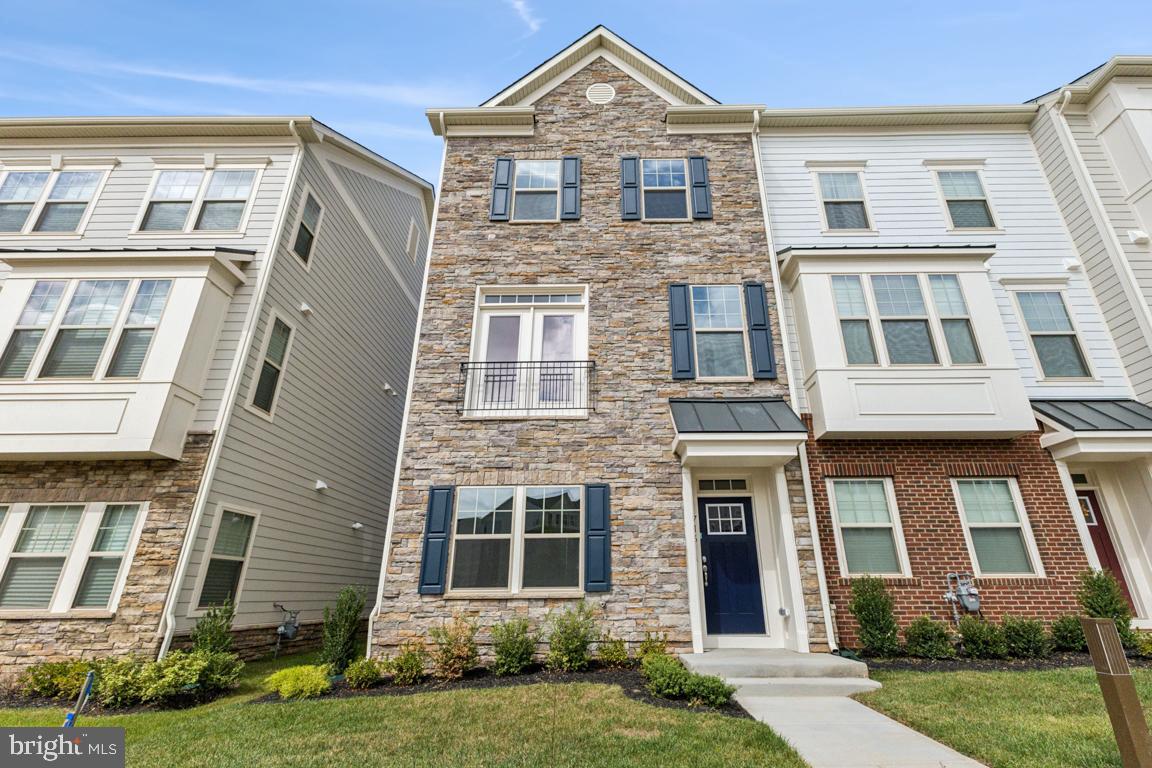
x=553 y=725
x=1049 y=719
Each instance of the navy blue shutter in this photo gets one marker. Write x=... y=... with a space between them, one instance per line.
x=570 y=189
x=630 y=188
x=437 y=527
x=501 y=190
x=759 y=331
x=680 y=320
x=701 y=190
x=597 y=539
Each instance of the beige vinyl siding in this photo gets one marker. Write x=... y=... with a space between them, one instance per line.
x=333 y=420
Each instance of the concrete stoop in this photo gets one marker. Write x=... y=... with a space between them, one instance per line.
x=783 y=673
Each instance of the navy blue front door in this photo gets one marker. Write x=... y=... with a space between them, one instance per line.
x=733 y=604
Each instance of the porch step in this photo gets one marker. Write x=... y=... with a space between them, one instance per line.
x=801 y=686
x=731 y=663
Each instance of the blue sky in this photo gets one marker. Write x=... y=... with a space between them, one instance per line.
x=369 y=69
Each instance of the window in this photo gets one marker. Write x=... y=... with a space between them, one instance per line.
x=867 y=528
x=307 y=228
x=31 y=327
x=536 y=191
x=275 y=357
x=724 y=485
x=512 y=539
x=225 y=200
x=181 y=201
x=172 y=199
x=965 y=199
x=139 y=328
x=855 y=327
x=47 y=201
x=843 y=197
x=221 y=582
x=665 y=190
x=65 y=556
x=903 y=320
x=954 y=320
x=999 y=537
x=412 y=248
x=1053 y=337
x=725 y=519
x=718 y=322
x=80 y=340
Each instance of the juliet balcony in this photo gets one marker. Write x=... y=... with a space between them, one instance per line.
x=527 y=389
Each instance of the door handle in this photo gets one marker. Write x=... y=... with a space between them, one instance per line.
x=704 y=561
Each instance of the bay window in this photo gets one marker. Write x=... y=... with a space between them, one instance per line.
x=996 y=528
x=82 y=334
x=904 y=320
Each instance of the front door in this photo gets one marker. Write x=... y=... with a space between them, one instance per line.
x=1102 y=539
x=733 y=603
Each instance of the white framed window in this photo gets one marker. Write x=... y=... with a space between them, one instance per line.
x=46 y=201
x=223 y=574
x=518 y=539
x=277 y=346
x=412 y=247
x=904 y=322
x=58 y=558
x=1053 y=337
x=855 y=325
x=536 y=190
x=33 y=323
x=664 y=189
x=139 y=327
x=869 y=538
x=187 y=200
x=996 y=527
x=965 y=199
x=842 y=200
x=723 y=519
x=955 y=322
x=723 y=484
x=307 y=228
x=720 y=332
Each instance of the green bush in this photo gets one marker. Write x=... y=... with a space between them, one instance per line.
x=612 y=651
x=668 y=679
x=1068 y=635
x=573 y=632
x=1026 y=639
x=122 y=683
x=653 y=642
x=1102 y=597
x=185 y=676
x=55 y=679
x=341 y=625
x=513 y=644
x=363 y=673
x=1144 y=644
x=454 y=650
x=213 y=630
x=872 y=606
x=408 y=666
x=928 y=639
x=709 y=690
x=982 y=639
x=303 y=682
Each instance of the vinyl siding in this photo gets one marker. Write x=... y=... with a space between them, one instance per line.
x=906 y=209
x=333 y=421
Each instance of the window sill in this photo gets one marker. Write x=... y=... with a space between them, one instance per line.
x=724 y=379
x=524 y=417
x=667 y=221
x=46 y=235
x=892 y=579
x=977 y=230
x=1009 y=578
x=535 y=221
x=1074 y=381
x=184 y=235
x=12 y=615
x=853 y=232
x=562 y=594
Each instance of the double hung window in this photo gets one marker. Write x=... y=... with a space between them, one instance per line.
x=665 y=189
x=843 y=199
x=999 y=536
x=536 y=191
x=868 y=527
x=47 y=201
x=1053 y=336
x=965 y=199
x=230 y=551
x=720 y=331
x=196 y=200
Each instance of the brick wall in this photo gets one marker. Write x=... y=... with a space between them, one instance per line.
x=170 y=487
x=921 y=472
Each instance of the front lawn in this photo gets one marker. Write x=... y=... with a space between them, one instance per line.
x=1041 y=719
x=554 y=725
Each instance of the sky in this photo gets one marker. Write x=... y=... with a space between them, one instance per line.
x=370 y=69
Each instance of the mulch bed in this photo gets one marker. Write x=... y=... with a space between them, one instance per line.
x=1056 y=661
x=629 y=680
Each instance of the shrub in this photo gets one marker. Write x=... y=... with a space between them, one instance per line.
x=709 y=690
x=213 y=630
x=408 y=666
x=1025 y=639
x=1102 y=597
x=982 y=639
x=928 y=639
x=573 y=632
x=454 y=649
x=1144 y=644
x=612 y=651
x=122 y=682
x=513 y=644
x=185 y=676
x=340 y=629
x=306 y=681
x=56 y=679
x=363 y=673
x=872 y=606
x=667 y=678
x=1068 y=635
x=653 y=642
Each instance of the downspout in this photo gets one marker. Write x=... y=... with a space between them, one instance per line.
x=407 y=405
x=227 y=402
x=785 y=349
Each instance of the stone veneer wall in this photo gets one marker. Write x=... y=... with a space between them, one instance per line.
x=170 y=487
x=933 y=531
x=628 y=266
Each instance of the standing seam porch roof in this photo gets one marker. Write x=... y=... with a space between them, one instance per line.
x=1097 y=415
x=753 y=414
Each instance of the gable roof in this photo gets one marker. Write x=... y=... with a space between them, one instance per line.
x=600 y=42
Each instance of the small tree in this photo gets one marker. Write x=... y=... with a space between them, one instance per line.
x=340 y=629
x=1102 y=597
x=872 y=606
x=213 y=630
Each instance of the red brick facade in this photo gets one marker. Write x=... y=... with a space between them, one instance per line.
x=921 y=471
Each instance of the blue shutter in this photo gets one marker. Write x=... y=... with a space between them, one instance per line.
x=630 y=188
x=680 y=320
x=570 y=189
x=759 y=331
x=701 y=190
x=437 y=527
x=501 y=190
x=597 y=539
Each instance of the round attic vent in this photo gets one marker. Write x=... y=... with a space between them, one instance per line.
x=601 y=93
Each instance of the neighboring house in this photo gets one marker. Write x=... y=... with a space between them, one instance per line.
x=205 y=333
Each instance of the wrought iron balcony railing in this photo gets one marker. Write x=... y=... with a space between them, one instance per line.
x=528 y=388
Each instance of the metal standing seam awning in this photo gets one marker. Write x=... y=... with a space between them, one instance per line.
x=1096 y=429
x=736 y=431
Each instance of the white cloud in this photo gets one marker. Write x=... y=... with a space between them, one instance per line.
x=526 y=14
